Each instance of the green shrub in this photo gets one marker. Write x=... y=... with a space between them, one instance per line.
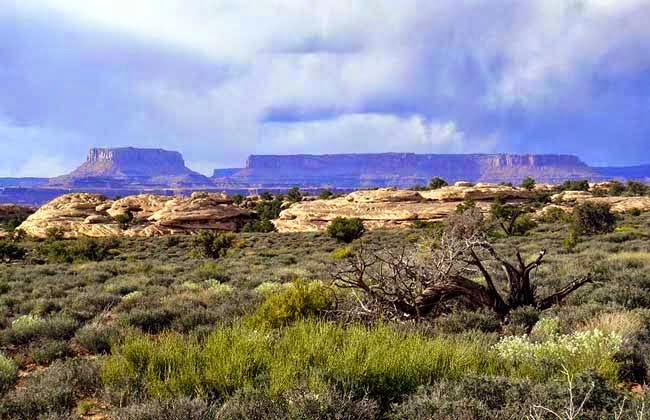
x=78 y=250
x=259 y=226
x=346 y=230
x=124 y=219
x=151 y=320
x=325 y=194
x=51 y=391
x=437 y=183
x=96 y=338
x=592 y=218
x=298 y=405
x=571 y=239
x=211 y=244
x=237 y=199
x=8 y=373
x=47 y=351
x=528 y=183
x=29 y=327
x=575 y=185
x=10 y=251
x=635 y=188
x=555 y=215
x=171 y=409
x=294 y=194
x=300 y=300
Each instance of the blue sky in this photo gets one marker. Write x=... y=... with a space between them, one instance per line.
x=221 y=79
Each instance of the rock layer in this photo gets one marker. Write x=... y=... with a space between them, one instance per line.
x=390 y=208
x=93 y=215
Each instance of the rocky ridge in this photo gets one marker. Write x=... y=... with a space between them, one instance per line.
x=94 y=215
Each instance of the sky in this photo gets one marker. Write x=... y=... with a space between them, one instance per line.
x=221 y=79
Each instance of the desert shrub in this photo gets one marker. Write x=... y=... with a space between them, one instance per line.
x=260 y=226
x=294 y=194
x=10 y=251
x=523 y=224
x=29 y=327
x=576 y=352
x=211 y=244
x=124 y=219
x=571 y=240
x=96 y=338
x=522 y=320
x=171 y=409
x=325 y=194
x=555 y=215
x=635 y=188
x=47 y=351
x=298 y=404
x=346 y=229
x=268 y=209
x=466 y=205
x=237 y=199
x=458 y=322
x=591 y=218
x=575 y=185
x=78 y=250
x=51 y=391
x=528 y=183
x=8 y=373
x=437 y=183
x=266 y=196
x=300 y=300
x=151 y=320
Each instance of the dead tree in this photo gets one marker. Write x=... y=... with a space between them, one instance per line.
x=459 y=265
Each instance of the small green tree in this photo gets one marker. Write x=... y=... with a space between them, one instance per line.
x=590 y=218
x=466 y=205
x=124 y=219
x=512 y=219
x=437 y=182
x=528 y=183
x=325 y=194
x=346 y=230
x=237 y=199
x=571 y=239
x=294 y=195
x=10 y=251
x=636 y=189
x=267 y=196
x=616 y=188
x=212 y=244
x=575 y=185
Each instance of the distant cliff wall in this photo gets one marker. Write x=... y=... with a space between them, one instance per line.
x=405 y=169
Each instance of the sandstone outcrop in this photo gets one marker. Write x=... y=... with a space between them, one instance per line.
x=619 y=204
x=389 y=208
x=93 y=215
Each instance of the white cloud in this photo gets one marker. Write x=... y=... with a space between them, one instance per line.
x=356 y=133
x=45 y=148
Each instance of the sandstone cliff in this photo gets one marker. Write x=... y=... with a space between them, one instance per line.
x=93 y=215
x=401 y=169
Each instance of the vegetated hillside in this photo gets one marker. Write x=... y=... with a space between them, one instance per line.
x=250 y=325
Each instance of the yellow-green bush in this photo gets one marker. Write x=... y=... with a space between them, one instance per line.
x=300 y=300
x=380 y=361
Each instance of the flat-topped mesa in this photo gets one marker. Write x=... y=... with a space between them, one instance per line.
x=132 y=162
x=129 y=167
x=405 y=169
